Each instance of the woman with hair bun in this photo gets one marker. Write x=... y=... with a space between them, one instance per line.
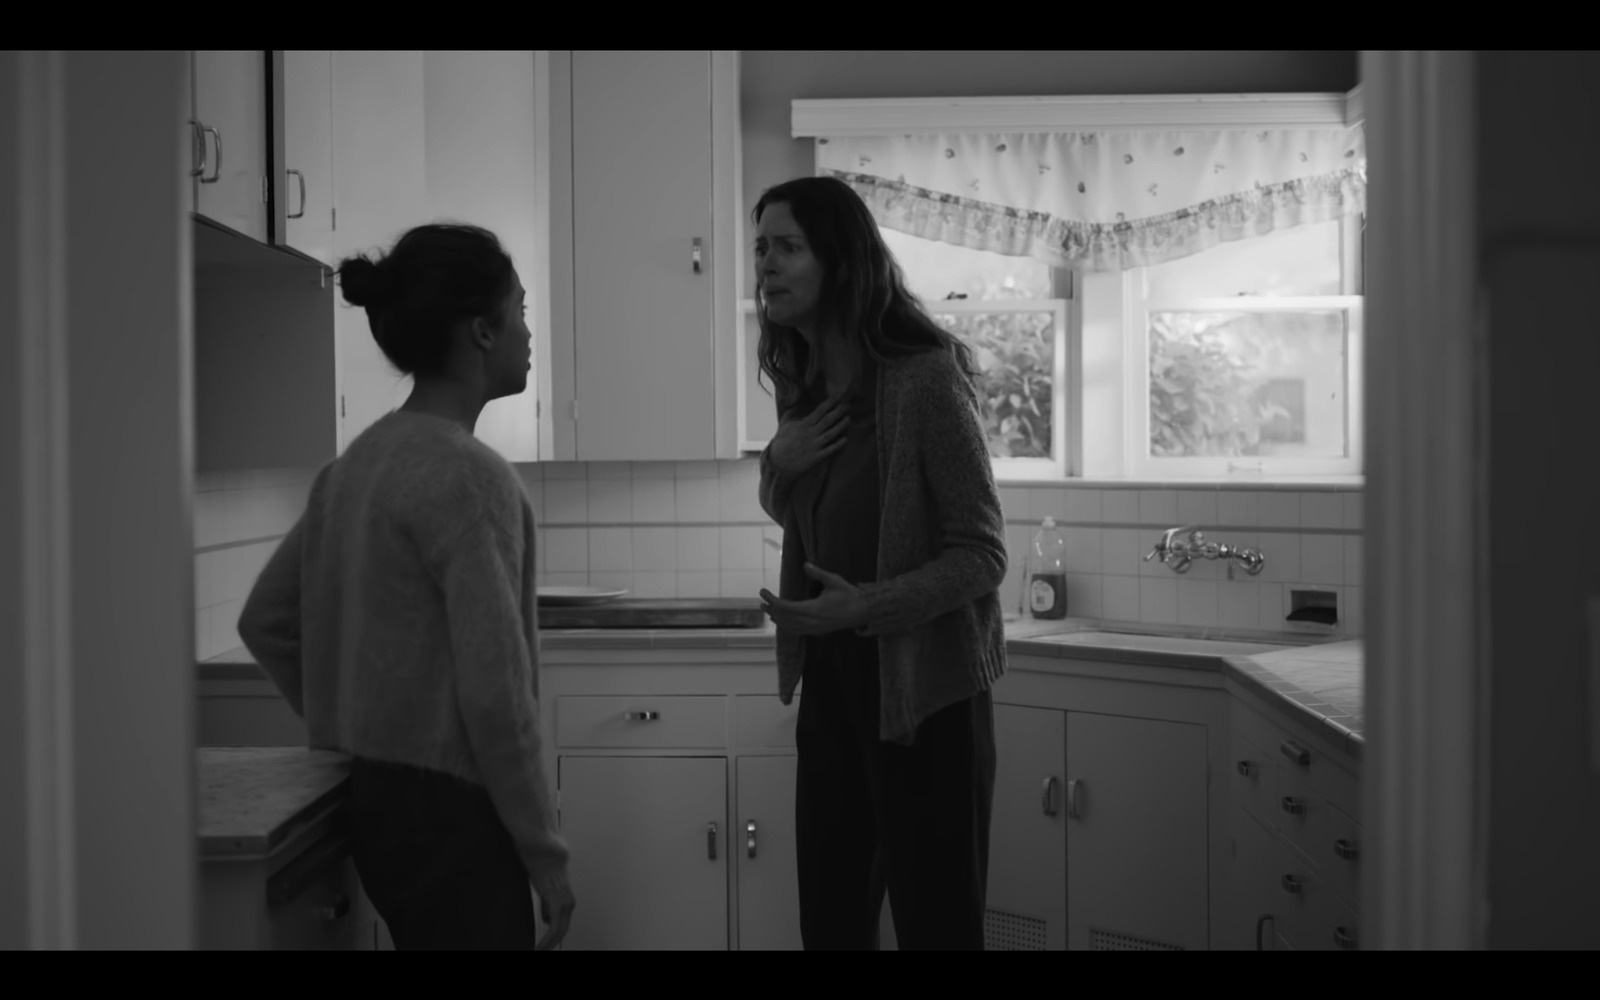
x=398 y=617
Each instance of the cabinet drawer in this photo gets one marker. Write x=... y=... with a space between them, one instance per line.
x=764 y=721
x=1254 y=779
x=1295 y=893
x=656 y=722
x=1304 y=757
x=1335 y=844
x=312 y=903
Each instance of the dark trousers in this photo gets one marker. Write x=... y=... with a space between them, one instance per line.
x=437 y=862
x=871 y=815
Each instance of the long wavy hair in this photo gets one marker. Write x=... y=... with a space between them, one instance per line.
x=863 y=291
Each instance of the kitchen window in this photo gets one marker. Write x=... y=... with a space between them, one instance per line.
x=1152 y=350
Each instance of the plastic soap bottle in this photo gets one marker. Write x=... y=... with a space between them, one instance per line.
x=1047 y=573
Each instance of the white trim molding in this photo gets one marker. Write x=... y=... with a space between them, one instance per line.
x=1133 y=113
x=1425 y=780
x=44 y=572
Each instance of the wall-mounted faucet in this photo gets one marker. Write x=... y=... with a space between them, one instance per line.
x=1177 y=553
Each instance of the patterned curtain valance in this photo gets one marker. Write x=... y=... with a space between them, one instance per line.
x=1102 y=201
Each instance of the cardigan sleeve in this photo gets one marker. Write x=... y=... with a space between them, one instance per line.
x=959 y=481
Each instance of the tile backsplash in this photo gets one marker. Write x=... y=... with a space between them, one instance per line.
x=695 y=529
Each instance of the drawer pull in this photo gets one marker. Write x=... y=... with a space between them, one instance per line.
x=641 y=716
x=1344 y=938
x=1294 y=806
x=1297 y=753
x=1261 y=922
x=1244 y=768
x=750 y=834
x=1075 y=798
x=1291 y=885
x=1050 y=796
x=1345 y=849
x=711 y=842
x=337 y=910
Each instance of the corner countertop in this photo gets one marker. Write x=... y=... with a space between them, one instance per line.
x=253 y=799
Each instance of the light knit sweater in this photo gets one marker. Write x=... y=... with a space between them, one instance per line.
x=935 y=607
x=399 y=617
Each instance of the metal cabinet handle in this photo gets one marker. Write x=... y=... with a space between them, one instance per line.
x=1297 y=753
x=1049 y=796
x=750 y=837
x=1291 y=885
x=1345 y=850
x=1294 y=806
x=216 y=172
x=1261 y=922
x=697 y=243
x=711 y=842
x=1344 y=938
x=337 y=910
x=198 y=135
x=300 y=214
x=1244 y=768
x=641 y=716
x=1074 y=798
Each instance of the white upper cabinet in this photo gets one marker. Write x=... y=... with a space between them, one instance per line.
x=643 y=255
x=229 y=127
x=303 y=216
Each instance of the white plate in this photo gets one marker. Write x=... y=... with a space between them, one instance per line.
x=559 y=596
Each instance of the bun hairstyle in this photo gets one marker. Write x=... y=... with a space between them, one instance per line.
x=434 y=277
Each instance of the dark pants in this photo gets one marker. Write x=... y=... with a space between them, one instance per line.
x=871 y=815
x=437 y=862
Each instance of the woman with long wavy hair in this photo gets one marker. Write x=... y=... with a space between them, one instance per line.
x=888 y=604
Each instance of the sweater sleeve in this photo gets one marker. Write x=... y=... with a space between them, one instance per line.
x=270 y=625
x=480 y=573
x=960 y=483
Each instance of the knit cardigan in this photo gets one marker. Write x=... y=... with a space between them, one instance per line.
x=935 y=606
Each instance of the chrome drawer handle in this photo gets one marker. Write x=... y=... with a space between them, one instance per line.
x=1345 y=849
x=1297 y=753
x=750 y=835
x=1261 y=922
x=301 y=175
x=1074 y=798
x=216 y=172
x=1244 y=768
x=641 y=716
x=1049 y=796
x=1294 y=806
x=1291 y=885
x=1344 y=938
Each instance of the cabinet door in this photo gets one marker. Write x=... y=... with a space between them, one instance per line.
x=1137 y=872
x=379 y=186
x=769 y=890
x=1255 y=899
x=230 y=99
x=642 y=191
x=1027 y=900
x=305 y=189
x=650 y=844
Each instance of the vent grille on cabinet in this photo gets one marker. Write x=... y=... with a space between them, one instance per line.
x=1010 y=932
x=1100 y=940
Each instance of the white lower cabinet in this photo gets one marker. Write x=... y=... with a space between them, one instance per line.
x=650 y=845
x=1098 y=838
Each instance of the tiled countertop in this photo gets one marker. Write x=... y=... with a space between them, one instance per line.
x=253 y=798
x=1321 y=683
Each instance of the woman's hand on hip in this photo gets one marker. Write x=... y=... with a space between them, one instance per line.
x=800 y=444
x=840 y=606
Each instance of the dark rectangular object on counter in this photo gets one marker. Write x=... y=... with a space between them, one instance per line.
x=712 y=613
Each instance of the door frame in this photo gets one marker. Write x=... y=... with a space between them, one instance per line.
x=1426 y=775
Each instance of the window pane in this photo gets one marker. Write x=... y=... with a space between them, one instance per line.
x=933 y=270
x=1305 y=260
x=1248 y=384
x=1016 y=353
